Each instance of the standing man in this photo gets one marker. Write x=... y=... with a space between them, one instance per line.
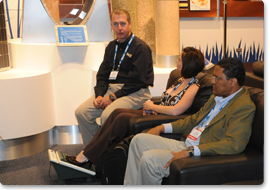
x=222 y=126
x=122 y=79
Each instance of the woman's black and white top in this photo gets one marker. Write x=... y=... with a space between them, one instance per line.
x=168 y=100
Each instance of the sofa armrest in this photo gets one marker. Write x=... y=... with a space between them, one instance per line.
x=175 y=136
x=254 y=81
x=213 y=170
x=139 y=123
x=156 y=100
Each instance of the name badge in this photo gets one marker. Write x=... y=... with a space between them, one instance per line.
x=129 y=55
x=113 y=75
x=195 y=134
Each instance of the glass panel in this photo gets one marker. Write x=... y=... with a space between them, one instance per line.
x=70 y=12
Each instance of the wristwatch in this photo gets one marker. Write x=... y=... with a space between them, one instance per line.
x=111 y=97
x=190 y=150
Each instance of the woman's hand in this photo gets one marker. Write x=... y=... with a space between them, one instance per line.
x=148 y=105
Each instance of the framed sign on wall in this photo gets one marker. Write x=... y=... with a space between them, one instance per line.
x=71 y=35
x=198 y=8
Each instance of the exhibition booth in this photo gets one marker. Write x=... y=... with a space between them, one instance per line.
x=51 y=68
x=46 y=81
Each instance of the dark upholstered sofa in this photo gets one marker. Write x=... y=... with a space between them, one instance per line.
x=255 y=74
x=244 y=168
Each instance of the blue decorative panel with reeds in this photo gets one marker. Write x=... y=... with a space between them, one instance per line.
x=249 y=54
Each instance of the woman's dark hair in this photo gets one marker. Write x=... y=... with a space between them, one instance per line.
x=193 y=62
x=233 y=68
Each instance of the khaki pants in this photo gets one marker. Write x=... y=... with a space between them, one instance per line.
x=87 y=114
x=147 y=157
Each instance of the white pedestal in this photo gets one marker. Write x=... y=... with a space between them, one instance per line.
x=70 y=68
x=160 y=80
x=42 y=90
x=26 y=103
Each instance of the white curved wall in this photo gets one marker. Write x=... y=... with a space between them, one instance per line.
x=70 y=68
x=26 y=103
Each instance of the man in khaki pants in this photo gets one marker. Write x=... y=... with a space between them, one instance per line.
x=122 y=79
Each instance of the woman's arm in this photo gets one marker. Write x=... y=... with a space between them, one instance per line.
x=184 y=103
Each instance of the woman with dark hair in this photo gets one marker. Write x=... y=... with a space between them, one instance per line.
x=174 y=101
x=189 y=63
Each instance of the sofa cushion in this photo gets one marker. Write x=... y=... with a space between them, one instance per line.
x=204 y=92
x=258 y=68
x=173 y=78
x=254 y=80
x=257 y=136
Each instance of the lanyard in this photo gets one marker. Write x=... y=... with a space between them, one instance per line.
x=178 y=97
x=124 y=54
x=202 y=125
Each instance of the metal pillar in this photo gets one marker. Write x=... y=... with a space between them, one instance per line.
x=225 y=29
